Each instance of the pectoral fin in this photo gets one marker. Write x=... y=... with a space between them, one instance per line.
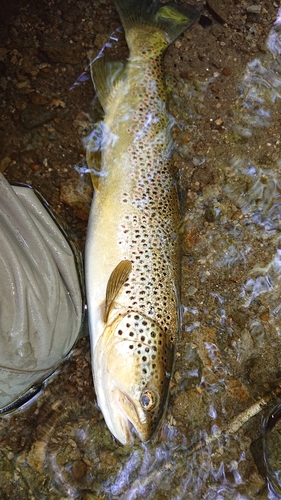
x=93 y=159
x=116 y=280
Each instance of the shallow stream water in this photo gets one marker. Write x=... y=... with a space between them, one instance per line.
x=224 y=80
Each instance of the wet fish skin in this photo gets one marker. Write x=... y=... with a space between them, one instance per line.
x=132 y=248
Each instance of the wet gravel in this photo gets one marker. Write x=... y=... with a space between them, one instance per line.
x=227 y=154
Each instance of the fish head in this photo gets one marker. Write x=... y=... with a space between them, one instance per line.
x=132 y=364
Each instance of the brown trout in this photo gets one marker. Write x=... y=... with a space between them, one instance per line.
x=132 y=249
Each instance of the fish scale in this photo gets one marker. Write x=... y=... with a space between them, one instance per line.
x=132 y=248
x=151 y=218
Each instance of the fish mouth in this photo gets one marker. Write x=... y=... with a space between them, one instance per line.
x=133 y=423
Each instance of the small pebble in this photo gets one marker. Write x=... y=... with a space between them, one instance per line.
x=254 y=9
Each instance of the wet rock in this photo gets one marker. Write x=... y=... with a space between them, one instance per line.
x=209 y=379
x=38 y=99
x=260 y=372
x=61 y=51
x=219 y=10
x=257 y=331
x=227 y=71
x=255 y=9
x=34 y=116
x=237 y=391
x=243 y=344
x=4 y=163
x=189 y=407
x=77 y=197
x=191 y=237
x=235 y=397
x=100 y=40
x=211 y=191
x=28 y=67
x=264 y=315
x=210 y=214
x=203 y=175
x=196 y=160
x=240 y=318
x=188 y=375
x=79 y=470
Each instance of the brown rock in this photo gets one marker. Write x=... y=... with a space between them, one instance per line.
x=79 y=470
x=237 y=391
x=210 y=214
x=4 y=163
x=61 y=51
x=227 y=71
x=37 y=98
x=219 y=10
x=240 y=318
x=188 y=407
x=79 y=199
x=235 y=398
x=192 y=237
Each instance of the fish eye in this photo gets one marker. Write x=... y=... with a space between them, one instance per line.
x=148 y=400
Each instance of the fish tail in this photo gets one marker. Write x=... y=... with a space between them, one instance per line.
x=170 y=18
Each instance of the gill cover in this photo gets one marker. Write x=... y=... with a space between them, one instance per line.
x=133 y=369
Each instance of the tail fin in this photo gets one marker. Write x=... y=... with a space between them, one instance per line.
x=169 y=18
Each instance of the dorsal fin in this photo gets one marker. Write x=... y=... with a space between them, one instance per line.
x=116 y=280
x=105 y=75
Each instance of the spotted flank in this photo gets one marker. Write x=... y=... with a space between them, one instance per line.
x=132 y=250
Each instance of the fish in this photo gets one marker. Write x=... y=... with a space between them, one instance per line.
x=132 y=255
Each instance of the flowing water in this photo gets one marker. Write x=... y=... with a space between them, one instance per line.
x=227 y=376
